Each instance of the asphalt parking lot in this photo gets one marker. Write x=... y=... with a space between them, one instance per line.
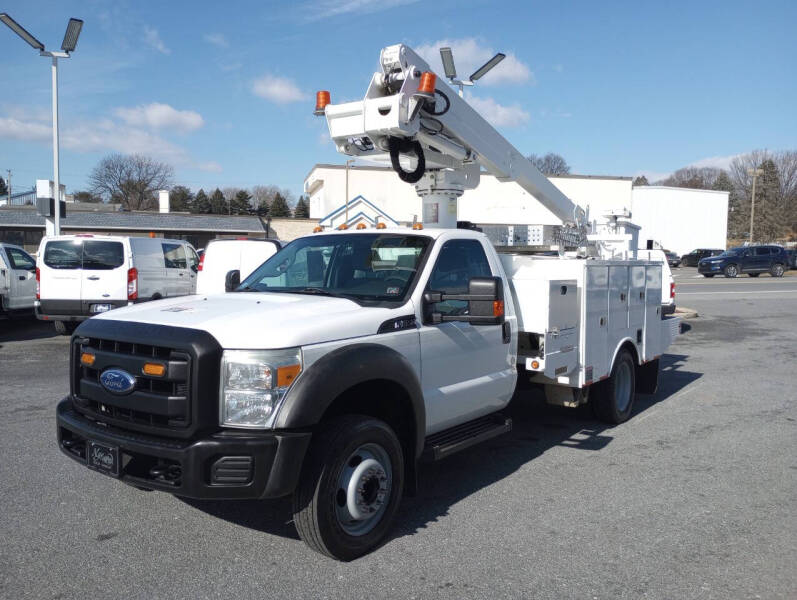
x=694 y=497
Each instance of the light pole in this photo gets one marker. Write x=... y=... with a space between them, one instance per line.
x=348 y=164
x=755 y=173
x=68 y=45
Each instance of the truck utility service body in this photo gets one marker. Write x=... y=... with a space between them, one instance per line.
x=349 y=356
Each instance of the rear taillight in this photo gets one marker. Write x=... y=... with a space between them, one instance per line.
x=38 y=284
x=672 y=289
x=201 y=262
x=132 y=284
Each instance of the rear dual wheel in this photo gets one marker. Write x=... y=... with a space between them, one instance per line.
x=350 y=488
x=613 y=399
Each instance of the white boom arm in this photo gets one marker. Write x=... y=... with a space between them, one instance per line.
x=406 y=120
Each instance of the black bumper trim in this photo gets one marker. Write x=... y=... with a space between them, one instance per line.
x=277 y=457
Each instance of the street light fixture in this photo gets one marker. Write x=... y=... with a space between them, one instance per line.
x=451 y=72
x=70 y=41
x=755 y=173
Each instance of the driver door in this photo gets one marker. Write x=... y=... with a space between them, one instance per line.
x=466 y=369
x=22 y=278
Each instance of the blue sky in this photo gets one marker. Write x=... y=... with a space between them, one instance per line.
x=225 y=91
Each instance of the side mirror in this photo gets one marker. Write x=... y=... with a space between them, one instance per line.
x=232 y=280
x=485 y=300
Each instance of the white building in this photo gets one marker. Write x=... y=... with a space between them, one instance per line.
x=675 y=218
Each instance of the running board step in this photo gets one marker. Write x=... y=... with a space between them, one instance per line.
x=449 y=441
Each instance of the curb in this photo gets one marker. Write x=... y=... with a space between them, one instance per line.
x=686 y=313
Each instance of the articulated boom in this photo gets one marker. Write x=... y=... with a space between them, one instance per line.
x=434 y=139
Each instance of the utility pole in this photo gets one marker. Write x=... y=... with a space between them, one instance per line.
x=755 y=173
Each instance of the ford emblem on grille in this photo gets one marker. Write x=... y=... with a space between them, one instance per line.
x=117 y=381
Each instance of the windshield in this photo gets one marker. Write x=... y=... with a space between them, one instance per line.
x=380 y=267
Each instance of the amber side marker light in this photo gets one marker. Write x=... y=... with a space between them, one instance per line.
x=498 y=308
x=535 y=364
x=286 y=375
x=87 y=358
x=154 y=369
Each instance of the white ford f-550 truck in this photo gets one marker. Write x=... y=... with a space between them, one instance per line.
x=349 y=356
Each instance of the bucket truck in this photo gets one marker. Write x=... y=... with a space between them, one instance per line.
x=350 y=357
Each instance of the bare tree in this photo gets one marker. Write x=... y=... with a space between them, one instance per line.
x=130 y=179
x=700 y=178
x=550 y=164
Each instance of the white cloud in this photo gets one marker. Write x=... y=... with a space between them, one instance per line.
x=153 y=38
x=217 y=39
x=322 y=9
x=161 y=116
x=277 y=89
x=718 y=162
x=469 y=55
x=103 y=135
x=497 y=114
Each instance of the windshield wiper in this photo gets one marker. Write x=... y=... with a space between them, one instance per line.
x=319 y=292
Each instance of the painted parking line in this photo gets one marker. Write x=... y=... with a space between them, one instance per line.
x=748 y=293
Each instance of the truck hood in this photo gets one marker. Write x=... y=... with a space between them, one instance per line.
x=261 y=320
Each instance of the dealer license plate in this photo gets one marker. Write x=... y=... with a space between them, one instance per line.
x=103 y=458
x=100 y=308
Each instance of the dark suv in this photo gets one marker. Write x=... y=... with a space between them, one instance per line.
x=752 y=260
x=694 y=257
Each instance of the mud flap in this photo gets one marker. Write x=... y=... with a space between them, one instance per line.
x=647 y=377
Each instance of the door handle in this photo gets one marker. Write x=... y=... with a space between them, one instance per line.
x=22 y=278
x=94 y=278
x=182 y=274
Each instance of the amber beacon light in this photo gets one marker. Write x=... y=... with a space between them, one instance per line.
x=322 y=98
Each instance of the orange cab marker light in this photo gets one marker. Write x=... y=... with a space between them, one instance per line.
x=87 y=358
x=322 y=98
x=417 y=226
x=498 y=308
x=427 y=83
x=535 y=364
x=286 y=375
x=381 y=226
x=360 y=226
x=318 y=229
x=154 y=369
x=342 y=226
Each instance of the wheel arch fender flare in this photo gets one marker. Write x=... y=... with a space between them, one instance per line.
x=330 y=376
x=635 y=355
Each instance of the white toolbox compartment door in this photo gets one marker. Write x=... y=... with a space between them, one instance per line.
x=562 y=333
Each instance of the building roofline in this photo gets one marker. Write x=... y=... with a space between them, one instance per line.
x=377 y=168
x=675 y=187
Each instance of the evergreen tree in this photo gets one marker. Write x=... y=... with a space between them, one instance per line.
x=241 y=203
x=641 y=180
x=769 y=223
x=279 y=207
x=262 y=208
x=201 y=203
x=301 y=210
x=738 y=217
x=218 y=205
x=180 y=199
x=3 y=187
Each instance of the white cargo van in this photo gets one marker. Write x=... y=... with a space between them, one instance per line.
x=82 y=275
x=17 y=281
x=222 y=256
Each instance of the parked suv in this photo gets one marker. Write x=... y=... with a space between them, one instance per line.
x=695 y=256
x=752 y=260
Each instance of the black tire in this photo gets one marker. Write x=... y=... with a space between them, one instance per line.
x=709 y=275
x=65 y=327
x=754 y=274
x=317 y=502
x=611 y=400
x=731 y=271
x=777 y=270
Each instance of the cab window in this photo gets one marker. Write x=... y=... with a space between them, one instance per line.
x=20 y=260
x=457 y=263
x=174 y=256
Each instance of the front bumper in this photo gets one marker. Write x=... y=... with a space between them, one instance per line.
x=223 y=465
x=713 y=267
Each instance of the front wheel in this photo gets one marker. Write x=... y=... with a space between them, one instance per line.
x=776 y=270
x=731 y=271
x=614 y=398
x=350 y=488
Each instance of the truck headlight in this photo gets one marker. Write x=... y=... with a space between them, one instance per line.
x=253 y=384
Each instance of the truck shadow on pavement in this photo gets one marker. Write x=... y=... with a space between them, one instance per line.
x=24 y=329
x=537 y=427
